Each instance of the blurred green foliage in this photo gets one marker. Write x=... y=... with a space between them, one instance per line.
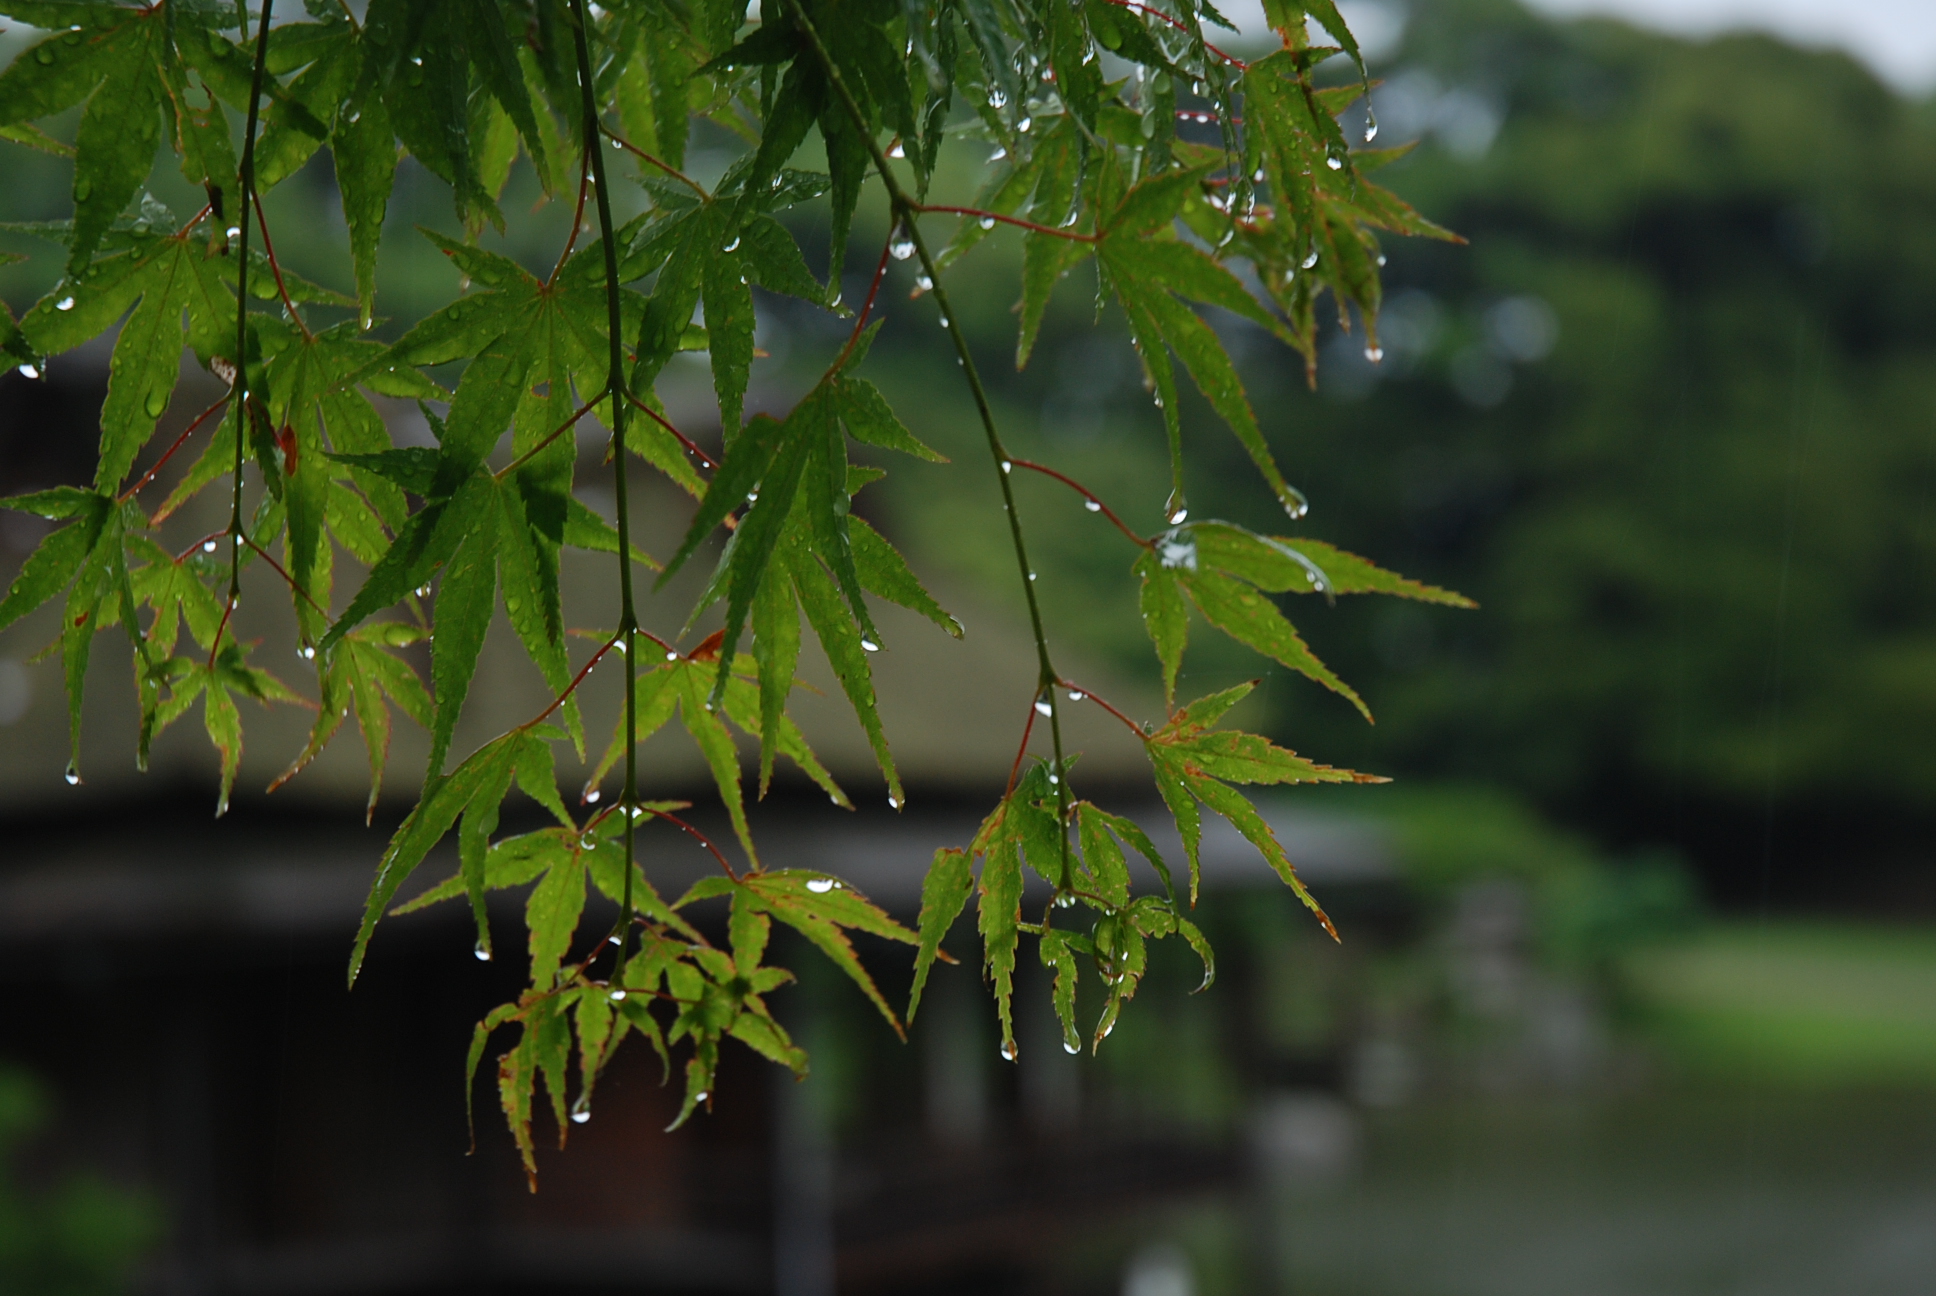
x=76 y=1236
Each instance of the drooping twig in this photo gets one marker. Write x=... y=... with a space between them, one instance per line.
x=904 y=211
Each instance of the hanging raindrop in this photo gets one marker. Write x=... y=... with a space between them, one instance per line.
x=1070 y=1049
x=893 y=802
x=1076 y=695
x=1310 y=260
x=1371 y=128
x=868 y=645
x=922 y=282
x=1043 y=707
x=29 y=371
x=1335 y=162
x=1374 y=353
x=579 y=1115
x=618 y=996
x=1022 y=126
x=483 y=954
x=998 y=155
x=732 y=246
x=987 y=222
x=208 y=546
x=591 y=797
x=73 y=776
x=896 y=150
x=902 y=245
x=1008 y=1050
x=1092 y=505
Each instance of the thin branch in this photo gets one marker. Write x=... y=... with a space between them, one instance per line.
x=149 y=476
x=1087 y=494
x=1097 y=698
x=239 y=391
x=699 y=836
x=615 y=384
x=1021 y=752
x=275 y=268
x=577 y=218
x=666 y=167
x=905 y=210
x=549 y=437
x=1132 y=5
x=285 y=575
x=665 y=423
x=1017 y=221
x=572 y=687
x=866 y=306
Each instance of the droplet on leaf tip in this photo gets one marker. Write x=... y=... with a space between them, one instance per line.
x=1070 y=1049
x=868 y=645
x=483 y=955
x=73 y=776
x=591 y=797
x=580 y=1116
x=1007 y=1051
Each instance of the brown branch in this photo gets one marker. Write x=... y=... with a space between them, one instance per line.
x=577 y=218
x=1021 y=753
x=576 y=680
x=551 y=436
x=1087 y=494
x=1132 y=5
x=860 y=322
x=149 y=476
x=285 y=575
x=1029 y=225
x=1134 y=728
x=663 y=422
x=275 y=268
x=664 y=166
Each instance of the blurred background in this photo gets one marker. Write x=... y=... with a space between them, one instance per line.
x=1637 y=990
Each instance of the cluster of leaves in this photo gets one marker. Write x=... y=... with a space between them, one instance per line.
x=1093 y=166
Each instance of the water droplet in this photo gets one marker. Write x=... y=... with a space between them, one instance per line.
x=1053 y=780
x=1371 y=128
x=922 y=282
x=356 y=116
x=1374 y=353
x=579 y=1116
x=1093 y=506
x=896 y=150
x=868 y=645
x=156 y=403
x=997 y=98
x=733 y=246
x=820 y=886
x=1076 y=695
x=29 y=371
x=423 y=590
x=1257 y=176
x=82 y=188
x=613 y=940
x=672 y=655
x=1023 y=125
x=1065 y=901
x=1335 y=162
x=1179 y=516
x=588 y=842
x=1007 y=467
x=998 y=155
x=701 y=1096
x=234 y=231
x=901 y=246
x=307 y=652
x=73 y=776
x=483 y=955
x=416 y=60
x=1031 y=575
x=1177 y=550
x=618 y=996
x=1007 y=1050
x=591 y=797
x=1381 y=258
x=1043 y=707
x=44 y=54
x=893 y=802
x=1070 y=1049
x=64 y=304
x=1310 y=260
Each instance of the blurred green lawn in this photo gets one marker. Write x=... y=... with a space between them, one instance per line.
x=1806 y=1002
